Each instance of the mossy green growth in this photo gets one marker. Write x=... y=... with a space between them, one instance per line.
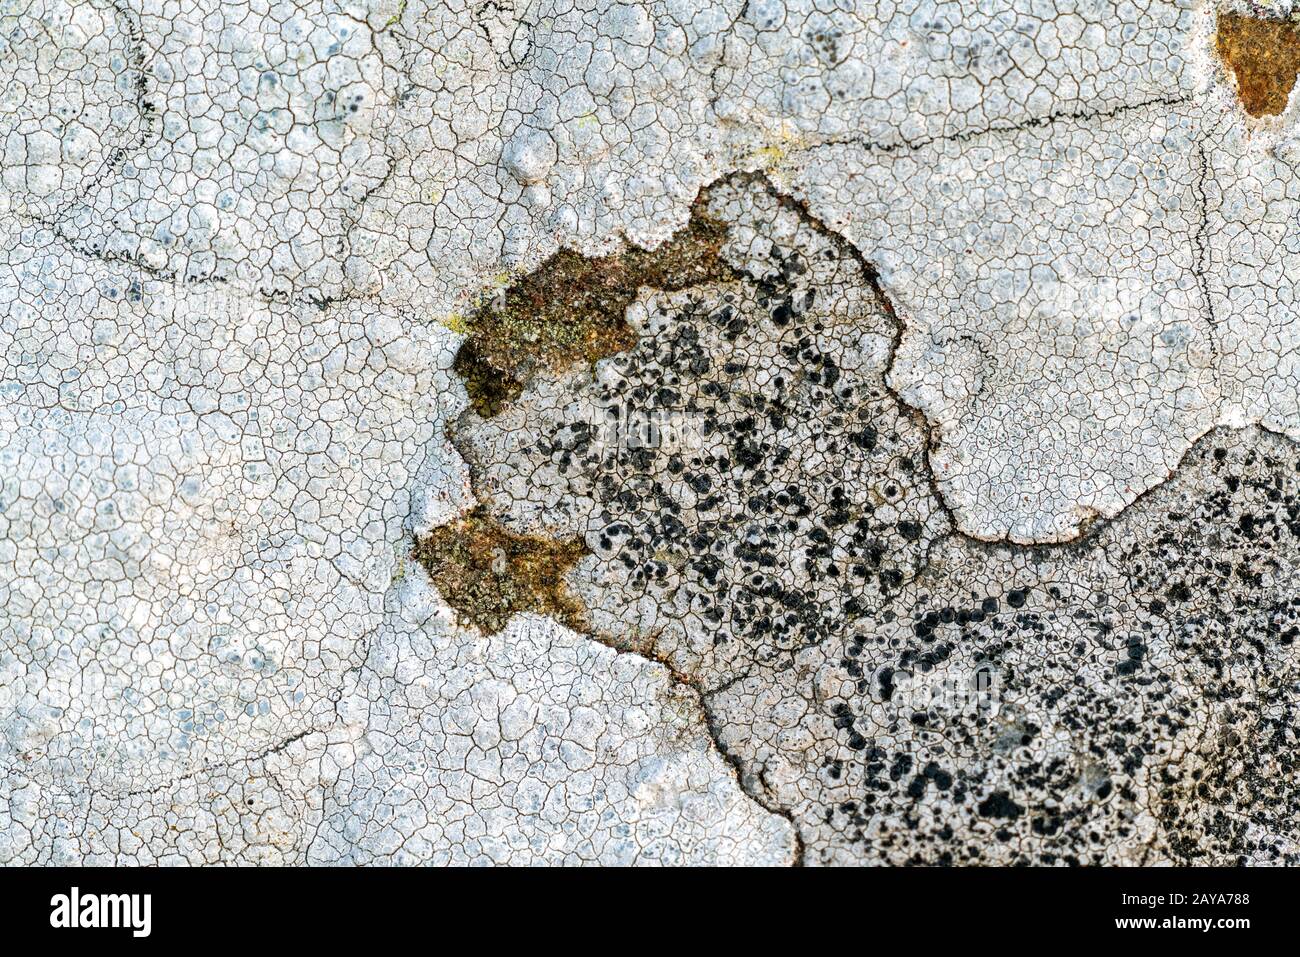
x=489 y=573
x=572 y=309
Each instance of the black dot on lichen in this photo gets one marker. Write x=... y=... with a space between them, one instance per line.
x=999 y=805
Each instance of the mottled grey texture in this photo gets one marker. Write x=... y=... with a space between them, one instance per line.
x=959 y=526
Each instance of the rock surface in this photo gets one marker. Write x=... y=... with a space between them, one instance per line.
x=945 y=510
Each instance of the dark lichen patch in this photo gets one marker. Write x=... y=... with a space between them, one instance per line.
x=489 y=389
x=1161 y=647
x=489 y=573
x=1265 y=57
x=572 y=309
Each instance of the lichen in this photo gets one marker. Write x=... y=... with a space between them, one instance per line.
x=1265 y=57
x=488 y=573
x=488 y=387
x=571 y=310
x=243 y=244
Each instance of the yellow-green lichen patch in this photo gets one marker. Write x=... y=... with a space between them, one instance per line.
x=571 y=309
x=489 y=573
x=1265 y=57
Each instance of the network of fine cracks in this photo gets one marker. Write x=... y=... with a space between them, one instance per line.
x=746 y=776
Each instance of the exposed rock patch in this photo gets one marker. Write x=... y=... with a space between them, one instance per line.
x=1264 y=55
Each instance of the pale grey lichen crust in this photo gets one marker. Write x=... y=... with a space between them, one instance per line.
x=1004 y=277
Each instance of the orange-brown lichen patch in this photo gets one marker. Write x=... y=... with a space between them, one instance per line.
x=1265 y=57
x=571 y=309
x=489 y=573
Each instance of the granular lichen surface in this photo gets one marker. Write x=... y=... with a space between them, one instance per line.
x=719 y=433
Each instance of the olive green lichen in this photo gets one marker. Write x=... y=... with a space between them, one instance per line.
x=571 y=309
x=489 y=573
